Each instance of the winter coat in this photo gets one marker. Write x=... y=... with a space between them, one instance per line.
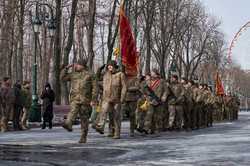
x=83 y=86
x=48 y=97
x=114 y=87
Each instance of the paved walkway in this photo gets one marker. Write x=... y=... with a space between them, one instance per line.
x=225 y=144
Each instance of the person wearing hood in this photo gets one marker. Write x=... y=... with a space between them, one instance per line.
x=114 y=93
x=48 y=97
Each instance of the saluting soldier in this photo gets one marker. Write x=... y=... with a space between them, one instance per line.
x=82 y=94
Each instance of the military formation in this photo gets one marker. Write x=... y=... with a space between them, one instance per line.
x=153 y=104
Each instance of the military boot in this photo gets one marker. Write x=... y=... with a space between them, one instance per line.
x=67 y=127
x=99 y=129
x=4 y=126
x=116 y=137
x=82 y=140
x=116 y=134
x=132 y=133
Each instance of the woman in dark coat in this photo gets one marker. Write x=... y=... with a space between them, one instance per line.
x=48 y=97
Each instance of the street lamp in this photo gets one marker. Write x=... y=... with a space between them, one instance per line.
x=52 y=28
x=37 y=21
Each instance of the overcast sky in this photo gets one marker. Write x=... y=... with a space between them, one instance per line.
x=233 y=14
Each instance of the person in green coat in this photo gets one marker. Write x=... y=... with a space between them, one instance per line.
x=27 y=97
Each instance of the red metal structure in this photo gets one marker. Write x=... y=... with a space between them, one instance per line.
x=237 y=35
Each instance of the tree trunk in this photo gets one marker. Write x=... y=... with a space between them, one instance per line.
x=57 y=53
x=90 y=32
x=20 y=41
x=67 y=49
x=148 y=51
x=111 y=37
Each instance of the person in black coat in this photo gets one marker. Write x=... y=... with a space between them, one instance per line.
x=48 y=97
x=18 y=106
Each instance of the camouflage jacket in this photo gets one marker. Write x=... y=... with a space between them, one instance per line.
x=7 y=95
x=83 y=86
x=160 y=91
x=27 y=98
x=177 y=94
x=208 y=98
x=188 y=93
x=197 y=95
x=133 y=89
x=114 y=87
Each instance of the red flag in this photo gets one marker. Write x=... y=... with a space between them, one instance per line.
x=128 y=46
x=219 y=86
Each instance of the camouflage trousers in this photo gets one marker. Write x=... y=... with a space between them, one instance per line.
x=187 y=116
x=176 y=118
x=140 y=114
x=154 y=119
x=6 y=111
x=199 y=115
x=235 y=112
x=130 y=107
x=115 y=117
x=209 y=111
x=25 y=116
x=165 y=117
x=218 y=115
x=193 y=118
x=83 y=110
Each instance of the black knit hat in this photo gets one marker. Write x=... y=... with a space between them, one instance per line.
x=82 y=62
x=112 y=63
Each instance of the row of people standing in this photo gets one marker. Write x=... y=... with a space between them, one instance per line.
x=15 y=105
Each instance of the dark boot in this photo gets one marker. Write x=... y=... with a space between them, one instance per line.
x=44 y=125
x=67 y=127
x=50 y=124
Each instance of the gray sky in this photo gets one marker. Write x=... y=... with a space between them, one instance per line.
x=233 y=14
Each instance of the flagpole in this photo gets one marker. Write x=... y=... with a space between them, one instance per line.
x=119 y=36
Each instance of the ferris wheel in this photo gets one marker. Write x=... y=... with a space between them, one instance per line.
x=235 y=39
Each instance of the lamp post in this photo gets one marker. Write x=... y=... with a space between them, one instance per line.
x=37 y=21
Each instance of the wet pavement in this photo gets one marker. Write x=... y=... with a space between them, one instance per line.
x=225 y=144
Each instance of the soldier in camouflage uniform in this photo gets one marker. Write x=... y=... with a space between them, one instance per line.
x=82 y=93
x=114 y=93
x=208 y=106
x=132 y=96
x=142 y=103
x=196 y=96
x=157 y=93
x=175 y=104
x=219 y=106
x=236 y=107
x=200 y=107
x=27 y=104
x=188 y=104
x=228 y=115
x=7 y=104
